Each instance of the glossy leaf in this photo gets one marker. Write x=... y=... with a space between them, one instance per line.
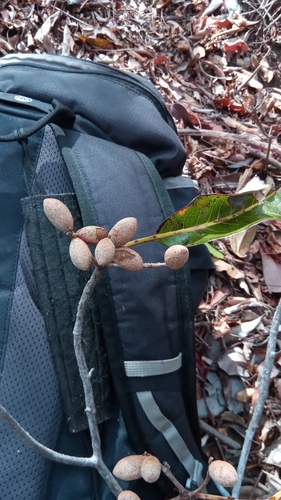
x=215 y=216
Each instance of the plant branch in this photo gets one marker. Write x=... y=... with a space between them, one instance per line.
x=268 y=364
x=85 y=375
x=183 y=492
x=167 y=471
x=81 y=361
x=40 y=448
x=146 y=265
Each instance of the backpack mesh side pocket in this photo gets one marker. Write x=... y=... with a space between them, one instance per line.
x=60 y=286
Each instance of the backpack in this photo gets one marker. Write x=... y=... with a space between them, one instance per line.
x=103 y=142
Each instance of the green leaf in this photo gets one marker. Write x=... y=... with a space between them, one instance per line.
x=213 y=251
x=215 y=216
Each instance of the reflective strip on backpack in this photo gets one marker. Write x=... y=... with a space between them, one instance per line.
x=153 y=367
x=172 y=436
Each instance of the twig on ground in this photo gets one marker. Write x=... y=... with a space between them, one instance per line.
x=261 y=156
x=256 y=70
x=221 y=437
x=244 y=138
x=268 y=364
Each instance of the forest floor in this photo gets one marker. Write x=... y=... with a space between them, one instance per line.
x=218 y=65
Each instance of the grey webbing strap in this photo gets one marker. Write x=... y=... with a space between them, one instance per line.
x=152 y=367
x=172 y=436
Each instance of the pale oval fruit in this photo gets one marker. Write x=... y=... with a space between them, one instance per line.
x=129 y=468
x=58 y=214
x=104 y=252
x=223 y=473
x=80 y=254
x=150 y=469
x=123 y=231
x=128 y=495
x=92 y=234
x=128 y=259
x=176 y=256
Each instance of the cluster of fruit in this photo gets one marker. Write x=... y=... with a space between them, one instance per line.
x=149 y=468
x=110 y=246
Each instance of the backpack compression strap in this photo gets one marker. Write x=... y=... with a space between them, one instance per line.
x=147 y=316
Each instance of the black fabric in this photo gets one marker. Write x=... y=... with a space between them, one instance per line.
x=12 y=189
x=71 y=483
x=60 y=285
x=101 y=105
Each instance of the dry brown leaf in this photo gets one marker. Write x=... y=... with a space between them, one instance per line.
x=236 y=46
x=163 y=4
x=240 y=242
x=245 y=396
x=272 y=273
x=4 y=45
x=199 y=51
x=46 y=27
x=220 y=328
x=232 y=271
x=100 y=43
x=229 y=103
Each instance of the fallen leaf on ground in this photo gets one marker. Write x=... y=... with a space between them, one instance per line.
x=231 y=270
x=271 y=272
x=240 y=243
x=236 y=45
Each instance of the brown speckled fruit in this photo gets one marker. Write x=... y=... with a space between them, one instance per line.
x=80 y=254
x=129 y=468
x=104 y=252
x=128 y=259
x=123 y=231
x=150 y=469
x=223 y=473
x=58 y=214
x=91 y=234
x=176 y=256
x=128 y=495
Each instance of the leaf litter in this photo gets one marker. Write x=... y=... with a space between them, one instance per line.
x=218 y=67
